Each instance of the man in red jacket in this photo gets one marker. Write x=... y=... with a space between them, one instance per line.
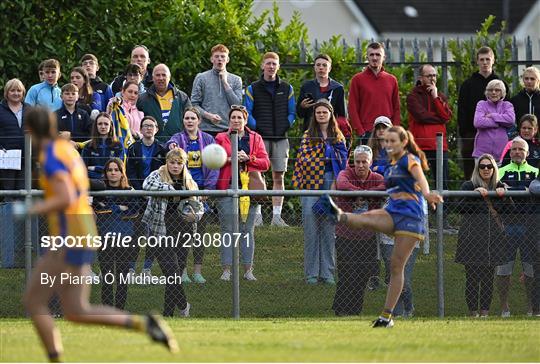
x=428 y=115
x=373 y=92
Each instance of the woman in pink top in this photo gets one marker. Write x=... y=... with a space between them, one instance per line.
x=491 y=119
x=128 y=103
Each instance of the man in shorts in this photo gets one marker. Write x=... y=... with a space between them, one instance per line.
x=272 y=108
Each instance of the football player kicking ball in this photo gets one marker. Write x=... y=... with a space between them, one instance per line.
x=65 y=184
x=403 y=216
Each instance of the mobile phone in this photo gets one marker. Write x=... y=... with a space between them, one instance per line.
x=309 y=96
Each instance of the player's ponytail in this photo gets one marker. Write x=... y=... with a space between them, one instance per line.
x=411 y=145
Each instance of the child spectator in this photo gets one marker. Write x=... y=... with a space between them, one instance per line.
x=73 y=122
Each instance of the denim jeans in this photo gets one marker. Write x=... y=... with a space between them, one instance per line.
x=319 y=237
x=246 y=230
x=405 y=302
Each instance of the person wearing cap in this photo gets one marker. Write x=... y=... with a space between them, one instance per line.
x=373 y=92
x=356 y=248
x=323 y=87
x=376 y=143
x=321 y=156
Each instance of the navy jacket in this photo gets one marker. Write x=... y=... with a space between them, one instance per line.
x=78 y=123
x=135 y=165
x=97 y=157
x=11 y=135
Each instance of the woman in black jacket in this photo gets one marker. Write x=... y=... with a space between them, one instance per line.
x=115 y=215
x=481 y=240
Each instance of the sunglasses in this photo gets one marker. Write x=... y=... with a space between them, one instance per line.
x=485 y=166
x=238 y=107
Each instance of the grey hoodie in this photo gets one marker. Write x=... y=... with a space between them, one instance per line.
x=209 y=95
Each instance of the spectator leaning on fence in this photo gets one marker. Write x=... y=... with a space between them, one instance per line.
x=373 y=92
x=470 y=93
x=164 y=102
x=323 y=87
x=172 y=217
x=527 y=101
x=492 y=118
x=321 y=156
x=101 y=147
x=115 y=214
x=12 y=115
x=192 y=140
x=90 y=63
x=271 y=107
x=377 y=144
x=528 y=130
x=46 y=93
x=215 y=90
x=481 y=238
x=517 y=175
x=252 y=157
x=73 y=122
x=356 y=249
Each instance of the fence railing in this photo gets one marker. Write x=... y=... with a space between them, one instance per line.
x=429 y=48
x=283 y=258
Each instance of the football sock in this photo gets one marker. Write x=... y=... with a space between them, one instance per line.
x=276 y=210
x=386 y=314
x=136 y=322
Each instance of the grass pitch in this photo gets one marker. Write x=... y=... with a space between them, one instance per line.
x=301 y=340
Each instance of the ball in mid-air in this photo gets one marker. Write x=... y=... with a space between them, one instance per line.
x=214 y=156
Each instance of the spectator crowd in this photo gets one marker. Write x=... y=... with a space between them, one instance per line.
x=142 y=132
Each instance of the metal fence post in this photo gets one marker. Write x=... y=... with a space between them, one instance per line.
x=236 y=228
x=28 y=200
x=440 y=223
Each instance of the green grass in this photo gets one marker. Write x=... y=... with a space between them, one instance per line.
x=280 y=290
x=279 y=340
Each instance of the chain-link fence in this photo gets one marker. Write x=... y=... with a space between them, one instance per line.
x=308 y=268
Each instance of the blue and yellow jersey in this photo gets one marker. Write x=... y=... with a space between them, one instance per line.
x=59 y=157
x=405 y=193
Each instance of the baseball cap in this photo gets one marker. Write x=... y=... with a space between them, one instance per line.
x=382 y=120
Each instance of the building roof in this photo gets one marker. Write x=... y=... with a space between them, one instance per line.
x=439 y=16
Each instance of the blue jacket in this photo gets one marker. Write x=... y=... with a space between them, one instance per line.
x=97 y=157
x=44 y=94
x=135 y=165
x=104 y=91
x=78 y=123
x=110 y=218
x=210 y=176
x=11 y=136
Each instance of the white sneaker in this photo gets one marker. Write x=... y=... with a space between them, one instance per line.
x=277 y=220
x=505 y=314
x=185 y=311
x=249 y=275
x=226 y=276
x=146 y=272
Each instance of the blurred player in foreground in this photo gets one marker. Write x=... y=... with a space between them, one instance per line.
x=402 y=217
x=65 y=184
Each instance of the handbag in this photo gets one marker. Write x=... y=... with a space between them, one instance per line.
x=257 y=182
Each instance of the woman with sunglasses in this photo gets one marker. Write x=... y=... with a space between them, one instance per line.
x=193 y=140
x=252 y=156
x=481 y=235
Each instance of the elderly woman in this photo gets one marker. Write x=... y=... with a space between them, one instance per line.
x=527 y=101
x=492 y=118
x=356 y=249
x=480 y=246
x=172 y=216
x=321 y=156
x=12 y=111
x=252 y=157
